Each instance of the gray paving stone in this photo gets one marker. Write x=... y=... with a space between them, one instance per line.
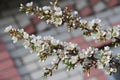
x=58 y=76
x=62 y=29
x=37 y=74
x=77 y=77
x=76 y=33
x=42 y=26
x=6 y=38
x=29 y=58
x=27 y=68
x=27 y=77
x=63 y=36
x=19 y=44
x=114 y=19
x=10 y=46
x=51 y=32
x=80 y=4
x=6 y=21
x=18 y=62
x=99 y=7
x=117 y=10
x=19 y=52
x=105 y=14
x=23 y=19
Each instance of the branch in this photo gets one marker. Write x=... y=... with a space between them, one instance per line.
x=68 y=53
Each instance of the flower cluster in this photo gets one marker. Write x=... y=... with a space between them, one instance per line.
x=57 y=16
x=67 y=53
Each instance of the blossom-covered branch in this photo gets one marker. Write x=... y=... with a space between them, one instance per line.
x=55 y=15
x=67 y=53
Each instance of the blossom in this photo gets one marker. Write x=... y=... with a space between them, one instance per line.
x=7 y=29
x=106 y=48
x=46 y=9
x=29 y=4
x=25 y=35
x=14 y=39
x=58 y=11
x=26 y=43
x=95 y=23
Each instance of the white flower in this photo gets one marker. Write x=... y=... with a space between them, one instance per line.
x=14 y=39
x=74 y=59
x=58 y=11
x=25 y=35
x=55 y=42
x=83 y=21
x=21 y=30
x=26 y=43
x=93 y=22
x=71 y=46
x=106 y=48
x=29 y=4
x=108 y=35
x=46 y=9
x=7 y=29
x=115 y=32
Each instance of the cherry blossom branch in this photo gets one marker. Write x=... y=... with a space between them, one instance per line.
x=66 y=53
x=55 y=15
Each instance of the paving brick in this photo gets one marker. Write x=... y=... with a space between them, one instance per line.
x=18 y=44
x=115 y=24
x=27 y=68
x=86 y=11
x=51 y=32
x=104 y=14
x=4 y=55
x=37 y=74
x=114 y=19
x=93 y=2
x=94 y=73
x=2 y=46
x=46 y=63
x=42 y=26
x=117 y=9
x=30 y=29
x=76 y=77
x=26 y=77
x=77 y=40
x=30 y=57
x=9 y=73
x=6 y=38
x=83 y=45
x=16 y=78
x=2 y=32
x=10 y=46
x=62 y=29
x=19 y=52
x=6 y=21
x=76 y=71
x=112 y=3
x=18 y=62
x=93 y=78
x=57 y=76
x=99 y=7
x=63 y=36
x=6 y=64
x=23 y=19
x=35 y=20
x=76 y=33
x=102 y=77
x=99 y=43
x=80 y=4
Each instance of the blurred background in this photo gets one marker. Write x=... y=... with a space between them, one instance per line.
x=16 y=63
